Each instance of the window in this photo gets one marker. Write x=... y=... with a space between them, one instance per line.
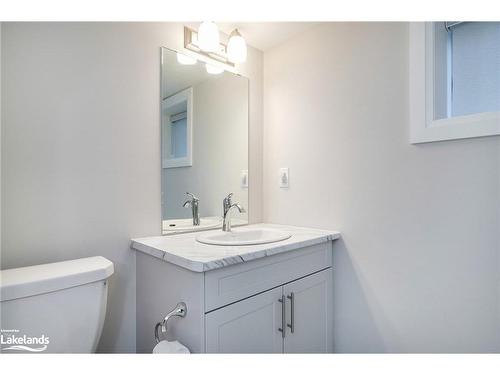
x=177 y=129
x=178 y=135
x=454 y=80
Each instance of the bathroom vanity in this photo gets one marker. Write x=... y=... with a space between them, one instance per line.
x=216 y=289
x=264 y=298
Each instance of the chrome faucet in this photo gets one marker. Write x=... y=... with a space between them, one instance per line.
x=227 y=206
x=193 y=203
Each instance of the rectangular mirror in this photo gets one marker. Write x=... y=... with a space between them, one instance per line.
x=204 y=143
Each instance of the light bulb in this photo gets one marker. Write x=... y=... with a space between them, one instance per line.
x=185 y=60
x=213 y=69
x=208 y=37
x=236 y=48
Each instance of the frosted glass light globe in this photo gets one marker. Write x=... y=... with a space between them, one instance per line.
x=213 y=69
x=208 y=37
x=236 y=48
x=185 y=60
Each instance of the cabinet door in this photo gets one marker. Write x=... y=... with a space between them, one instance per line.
x=249 y=326
x=311 y=314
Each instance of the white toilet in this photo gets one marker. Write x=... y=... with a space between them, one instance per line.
x=54 y=308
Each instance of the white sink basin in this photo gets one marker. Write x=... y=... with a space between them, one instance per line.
x=186 y=225
x=243 y=236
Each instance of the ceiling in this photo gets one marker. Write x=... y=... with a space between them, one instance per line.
x=265 y=35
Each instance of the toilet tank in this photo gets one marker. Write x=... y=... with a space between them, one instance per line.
x=54 y=308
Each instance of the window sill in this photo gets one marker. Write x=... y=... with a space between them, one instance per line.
x=470 y=126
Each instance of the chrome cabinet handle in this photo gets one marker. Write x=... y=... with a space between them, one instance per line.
x=283 y=316
x=291 y=297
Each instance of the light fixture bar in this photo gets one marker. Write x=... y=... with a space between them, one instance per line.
x=191 y=43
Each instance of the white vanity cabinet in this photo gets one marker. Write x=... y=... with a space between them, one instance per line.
x=274 y=298
x=293 y=318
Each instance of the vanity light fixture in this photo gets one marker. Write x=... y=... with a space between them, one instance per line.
x=192 y=43
x=236 y=47
x=185 y=60
x=213 y=69
x=208 y=37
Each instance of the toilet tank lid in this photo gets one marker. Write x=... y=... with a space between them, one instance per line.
x=44 y=278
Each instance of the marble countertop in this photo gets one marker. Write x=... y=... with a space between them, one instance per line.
x=184 y=251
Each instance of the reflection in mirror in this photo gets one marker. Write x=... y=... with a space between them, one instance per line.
x=204 y=130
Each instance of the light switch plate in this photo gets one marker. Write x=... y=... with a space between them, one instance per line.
x=244 y=179
x=284 y=178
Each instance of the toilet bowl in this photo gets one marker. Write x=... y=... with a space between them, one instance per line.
x=54 y=308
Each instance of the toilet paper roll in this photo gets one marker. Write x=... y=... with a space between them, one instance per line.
x=174 y=347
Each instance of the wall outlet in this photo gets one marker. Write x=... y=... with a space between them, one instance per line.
x=244 y=179
x=284 y=178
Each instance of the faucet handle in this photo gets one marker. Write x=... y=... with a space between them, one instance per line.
x=193 y=197
x=228 y=198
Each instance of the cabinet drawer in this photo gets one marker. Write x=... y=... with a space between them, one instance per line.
x=230 y=284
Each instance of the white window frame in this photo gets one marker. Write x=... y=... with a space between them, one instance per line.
x=423 y=127
x=187 y=161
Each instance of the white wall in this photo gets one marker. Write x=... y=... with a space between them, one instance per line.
x=417 y=269
x=81 y=148
x=220 y=150
x=0 y=144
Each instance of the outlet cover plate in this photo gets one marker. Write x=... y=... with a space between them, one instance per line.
x=244 y=179
x=284 y=178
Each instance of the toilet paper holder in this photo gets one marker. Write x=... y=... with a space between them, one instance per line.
x=180 y=310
